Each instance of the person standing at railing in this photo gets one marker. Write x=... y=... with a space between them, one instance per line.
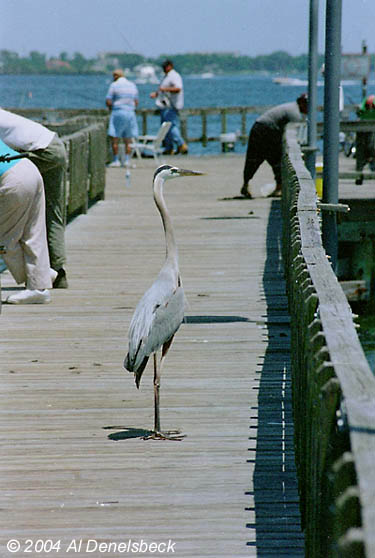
x=169 y=99
x=122 y=100
x=48 y=153
x=23 y=229
x=265 y=141
x=365 y=141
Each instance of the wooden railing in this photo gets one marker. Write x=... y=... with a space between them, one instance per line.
x=85 y=177
x=150 y=119
x=85 y=139
x=204 y=114
x=333 y=386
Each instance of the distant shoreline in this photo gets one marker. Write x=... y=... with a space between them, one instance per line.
x=223 y=63
x=133 y=76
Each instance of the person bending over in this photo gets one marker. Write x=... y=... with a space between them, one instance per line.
x=265 y=141
x=23 y=229
x=48 y=153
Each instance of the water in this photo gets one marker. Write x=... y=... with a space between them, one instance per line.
x=58 y=91
x=89 y=92
x=45 y=91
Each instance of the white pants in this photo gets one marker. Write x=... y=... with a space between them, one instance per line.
x=23 y=225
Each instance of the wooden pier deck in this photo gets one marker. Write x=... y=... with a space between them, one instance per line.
x=74 y=469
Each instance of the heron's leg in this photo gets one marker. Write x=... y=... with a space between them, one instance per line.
x=164 y=350
x=157 y=434
x=156 y=394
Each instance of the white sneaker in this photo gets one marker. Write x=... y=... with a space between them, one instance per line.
x=30 y=297
x=115 y=164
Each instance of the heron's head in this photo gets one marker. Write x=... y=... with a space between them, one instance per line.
x=167 y=171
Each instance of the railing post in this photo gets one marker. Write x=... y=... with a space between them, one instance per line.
x=183 y=123
x=204 y=128
x=243 y=126
x=144 y=123
x=223 y=121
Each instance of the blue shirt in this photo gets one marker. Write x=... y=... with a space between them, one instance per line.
x=123 y=94
x=5 y=150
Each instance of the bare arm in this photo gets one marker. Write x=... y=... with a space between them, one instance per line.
x=170 y=89
x=165 y=90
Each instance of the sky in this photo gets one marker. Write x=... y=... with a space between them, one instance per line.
x=155 y=27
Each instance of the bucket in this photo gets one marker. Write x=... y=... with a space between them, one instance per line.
x=319 y=179
x=228 y=141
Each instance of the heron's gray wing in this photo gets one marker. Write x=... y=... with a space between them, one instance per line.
x=167 y=320
x=157 y=317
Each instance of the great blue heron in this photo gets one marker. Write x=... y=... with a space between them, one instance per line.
x=160 y=311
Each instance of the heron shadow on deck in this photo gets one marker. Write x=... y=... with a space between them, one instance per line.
x=126 y=432
x=277 y=516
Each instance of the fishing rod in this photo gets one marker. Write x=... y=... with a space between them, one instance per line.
x=7 y=157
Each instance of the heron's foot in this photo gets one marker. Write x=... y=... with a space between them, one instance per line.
x=170 y=435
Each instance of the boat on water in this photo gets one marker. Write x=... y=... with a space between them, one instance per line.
x=294 y=81
x=207 y=75
x=146 y=73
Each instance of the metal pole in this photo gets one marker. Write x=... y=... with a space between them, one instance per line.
x=331 y=125
x=364 y=79
x=312 y=88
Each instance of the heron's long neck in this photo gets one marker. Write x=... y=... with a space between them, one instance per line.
x=170 y=242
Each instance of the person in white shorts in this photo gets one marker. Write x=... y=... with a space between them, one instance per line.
x=23 y=229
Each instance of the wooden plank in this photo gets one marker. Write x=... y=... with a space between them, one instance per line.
x=73 y=464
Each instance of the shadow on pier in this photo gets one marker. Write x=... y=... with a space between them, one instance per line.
x=277 y=517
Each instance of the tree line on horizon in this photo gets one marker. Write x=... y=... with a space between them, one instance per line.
x=189 y=63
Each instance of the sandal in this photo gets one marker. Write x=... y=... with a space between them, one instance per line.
x=245 y=192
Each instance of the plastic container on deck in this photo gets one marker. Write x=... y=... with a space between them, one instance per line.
x=319 y=179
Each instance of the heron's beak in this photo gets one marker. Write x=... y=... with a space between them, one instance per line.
x=186 y=172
